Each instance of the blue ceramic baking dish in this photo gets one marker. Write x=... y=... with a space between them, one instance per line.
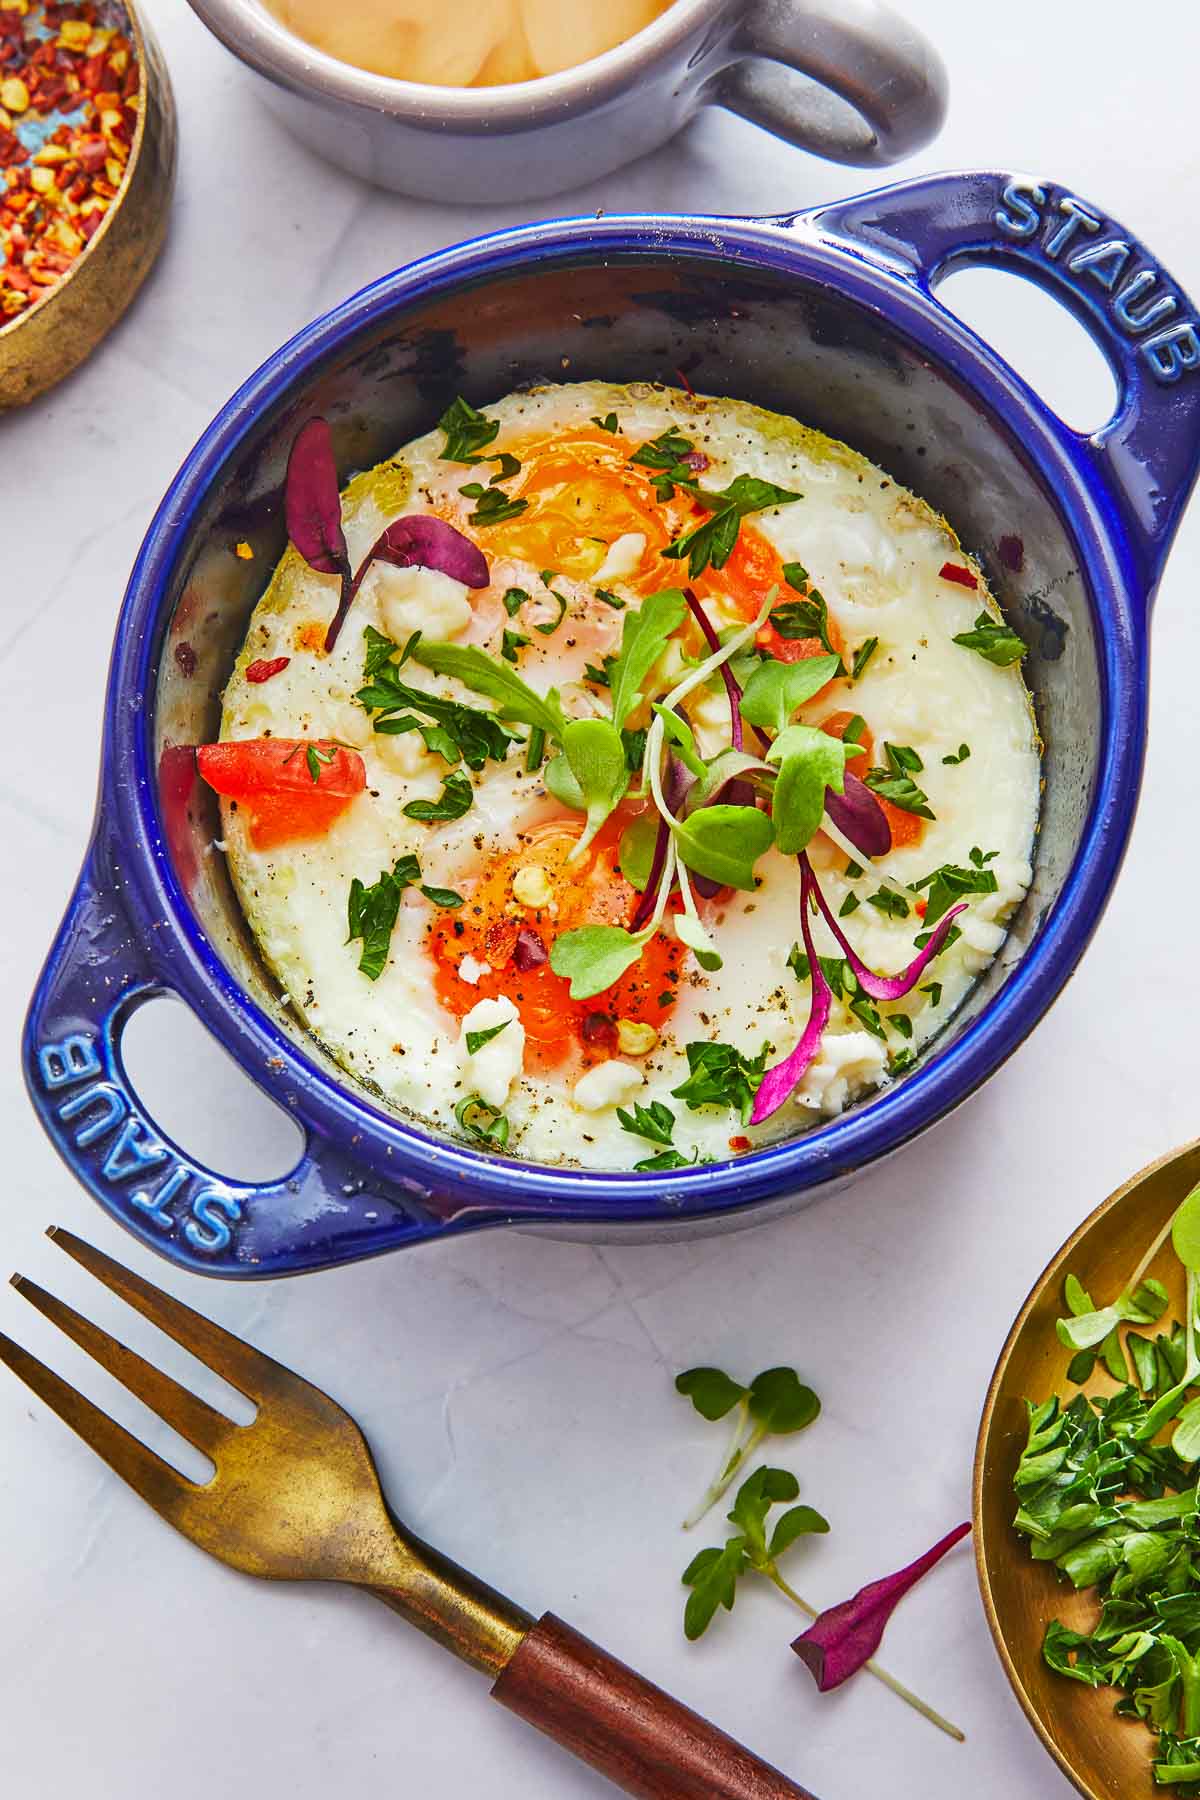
x=829 y=315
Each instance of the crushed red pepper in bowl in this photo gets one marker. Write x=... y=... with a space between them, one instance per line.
x=70 y=97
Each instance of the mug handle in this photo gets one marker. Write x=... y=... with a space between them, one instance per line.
x=1148 y=454
x=880 y=86
x=99 y=971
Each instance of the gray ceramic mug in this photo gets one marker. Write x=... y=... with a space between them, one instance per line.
x=847 y=79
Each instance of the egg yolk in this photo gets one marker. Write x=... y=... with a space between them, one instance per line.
x=537 y=890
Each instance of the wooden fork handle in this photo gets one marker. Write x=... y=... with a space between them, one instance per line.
x=624 y=1726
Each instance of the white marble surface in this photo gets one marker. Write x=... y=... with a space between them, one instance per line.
x=518 y=1390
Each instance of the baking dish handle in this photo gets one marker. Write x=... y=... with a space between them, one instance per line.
x=100 y=969
x=1149 y=452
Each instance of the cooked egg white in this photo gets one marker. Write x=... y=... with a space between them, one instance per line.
x=873 y=550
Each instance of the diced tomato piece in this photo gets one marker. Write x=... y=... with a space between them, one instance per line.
x=292 y=788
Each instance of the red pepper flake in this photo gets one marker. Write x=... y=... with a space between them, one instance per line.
x=956 y=572
x=685 y=384
x=77 y=96
x=185 y=656
x=920 y=907
x=739 y=1143
x=263 y=670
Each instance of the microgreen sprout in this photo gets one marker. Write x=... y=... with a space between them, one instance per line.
x=776 y=1404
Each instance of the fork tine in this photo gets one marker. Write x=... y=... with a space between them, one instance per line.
x=156 y=1481
x=248 y=1370
x=192 y=1417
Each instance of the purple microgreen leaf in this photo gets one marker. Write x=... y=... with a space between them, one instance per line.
x=727 y=676
x=418 y=541
x=888 y=987
x=859 y=816
x=312 y=502
x=677 y=783
x=778 y=1083
x=845 y=1637
x=423 y=541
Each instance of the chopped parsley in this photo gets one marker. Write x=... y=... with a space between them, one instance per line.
x=667 y=454
x=719 y=1075
x=934 y=990
x=655 y=1122
x=467 y=432
x=849 y=905
x=610 y=599
x=951 y=882
x=995 y=641
x=548 y=630
x=372 y=913
x=665 y=1159
x=890 y=903
x=964 y=750
x=491 y=506
x=535 y=755
x=862 y=657
x=514 y=600
x=449 y=729
x=895 y=783
x=483 y=1122
x=806 y=618
x=511 y=642
x=456 y=799
x=607 y=423
x=477 y=1039
x=711 y=544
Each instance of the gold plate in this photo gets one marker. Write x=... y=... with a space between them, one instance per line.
x=39 y=347
x=1107 y=1758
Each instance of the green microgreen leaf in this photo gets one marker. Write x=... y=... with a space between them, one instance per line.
x=677 y=730
x=644 y=634
x=635 y=852
x=711 y=1391
x=724 y=843
x=809 y=762
x=775 y=690
x=690 y=931
x=595 y=755
x=443 y=897
x=713 y=1577
x=592 y=957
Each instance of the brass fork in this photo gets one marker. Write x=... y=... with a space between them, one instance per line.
x=296 y=1497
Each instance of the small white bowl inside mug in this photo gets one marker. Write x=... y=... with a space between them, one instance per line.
x=846 y=79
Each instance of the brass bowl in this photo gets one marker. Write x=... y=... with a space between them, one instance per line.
x=1106 y=1758
x=41 y=346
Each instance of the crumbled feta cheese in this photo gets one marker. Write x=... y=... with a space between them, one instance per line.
x=848 y=1061
x=608 y=1084
x=623 y=558
x=491 y=1071
x=469 y=971
x=403 y=754
x=416 y=599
